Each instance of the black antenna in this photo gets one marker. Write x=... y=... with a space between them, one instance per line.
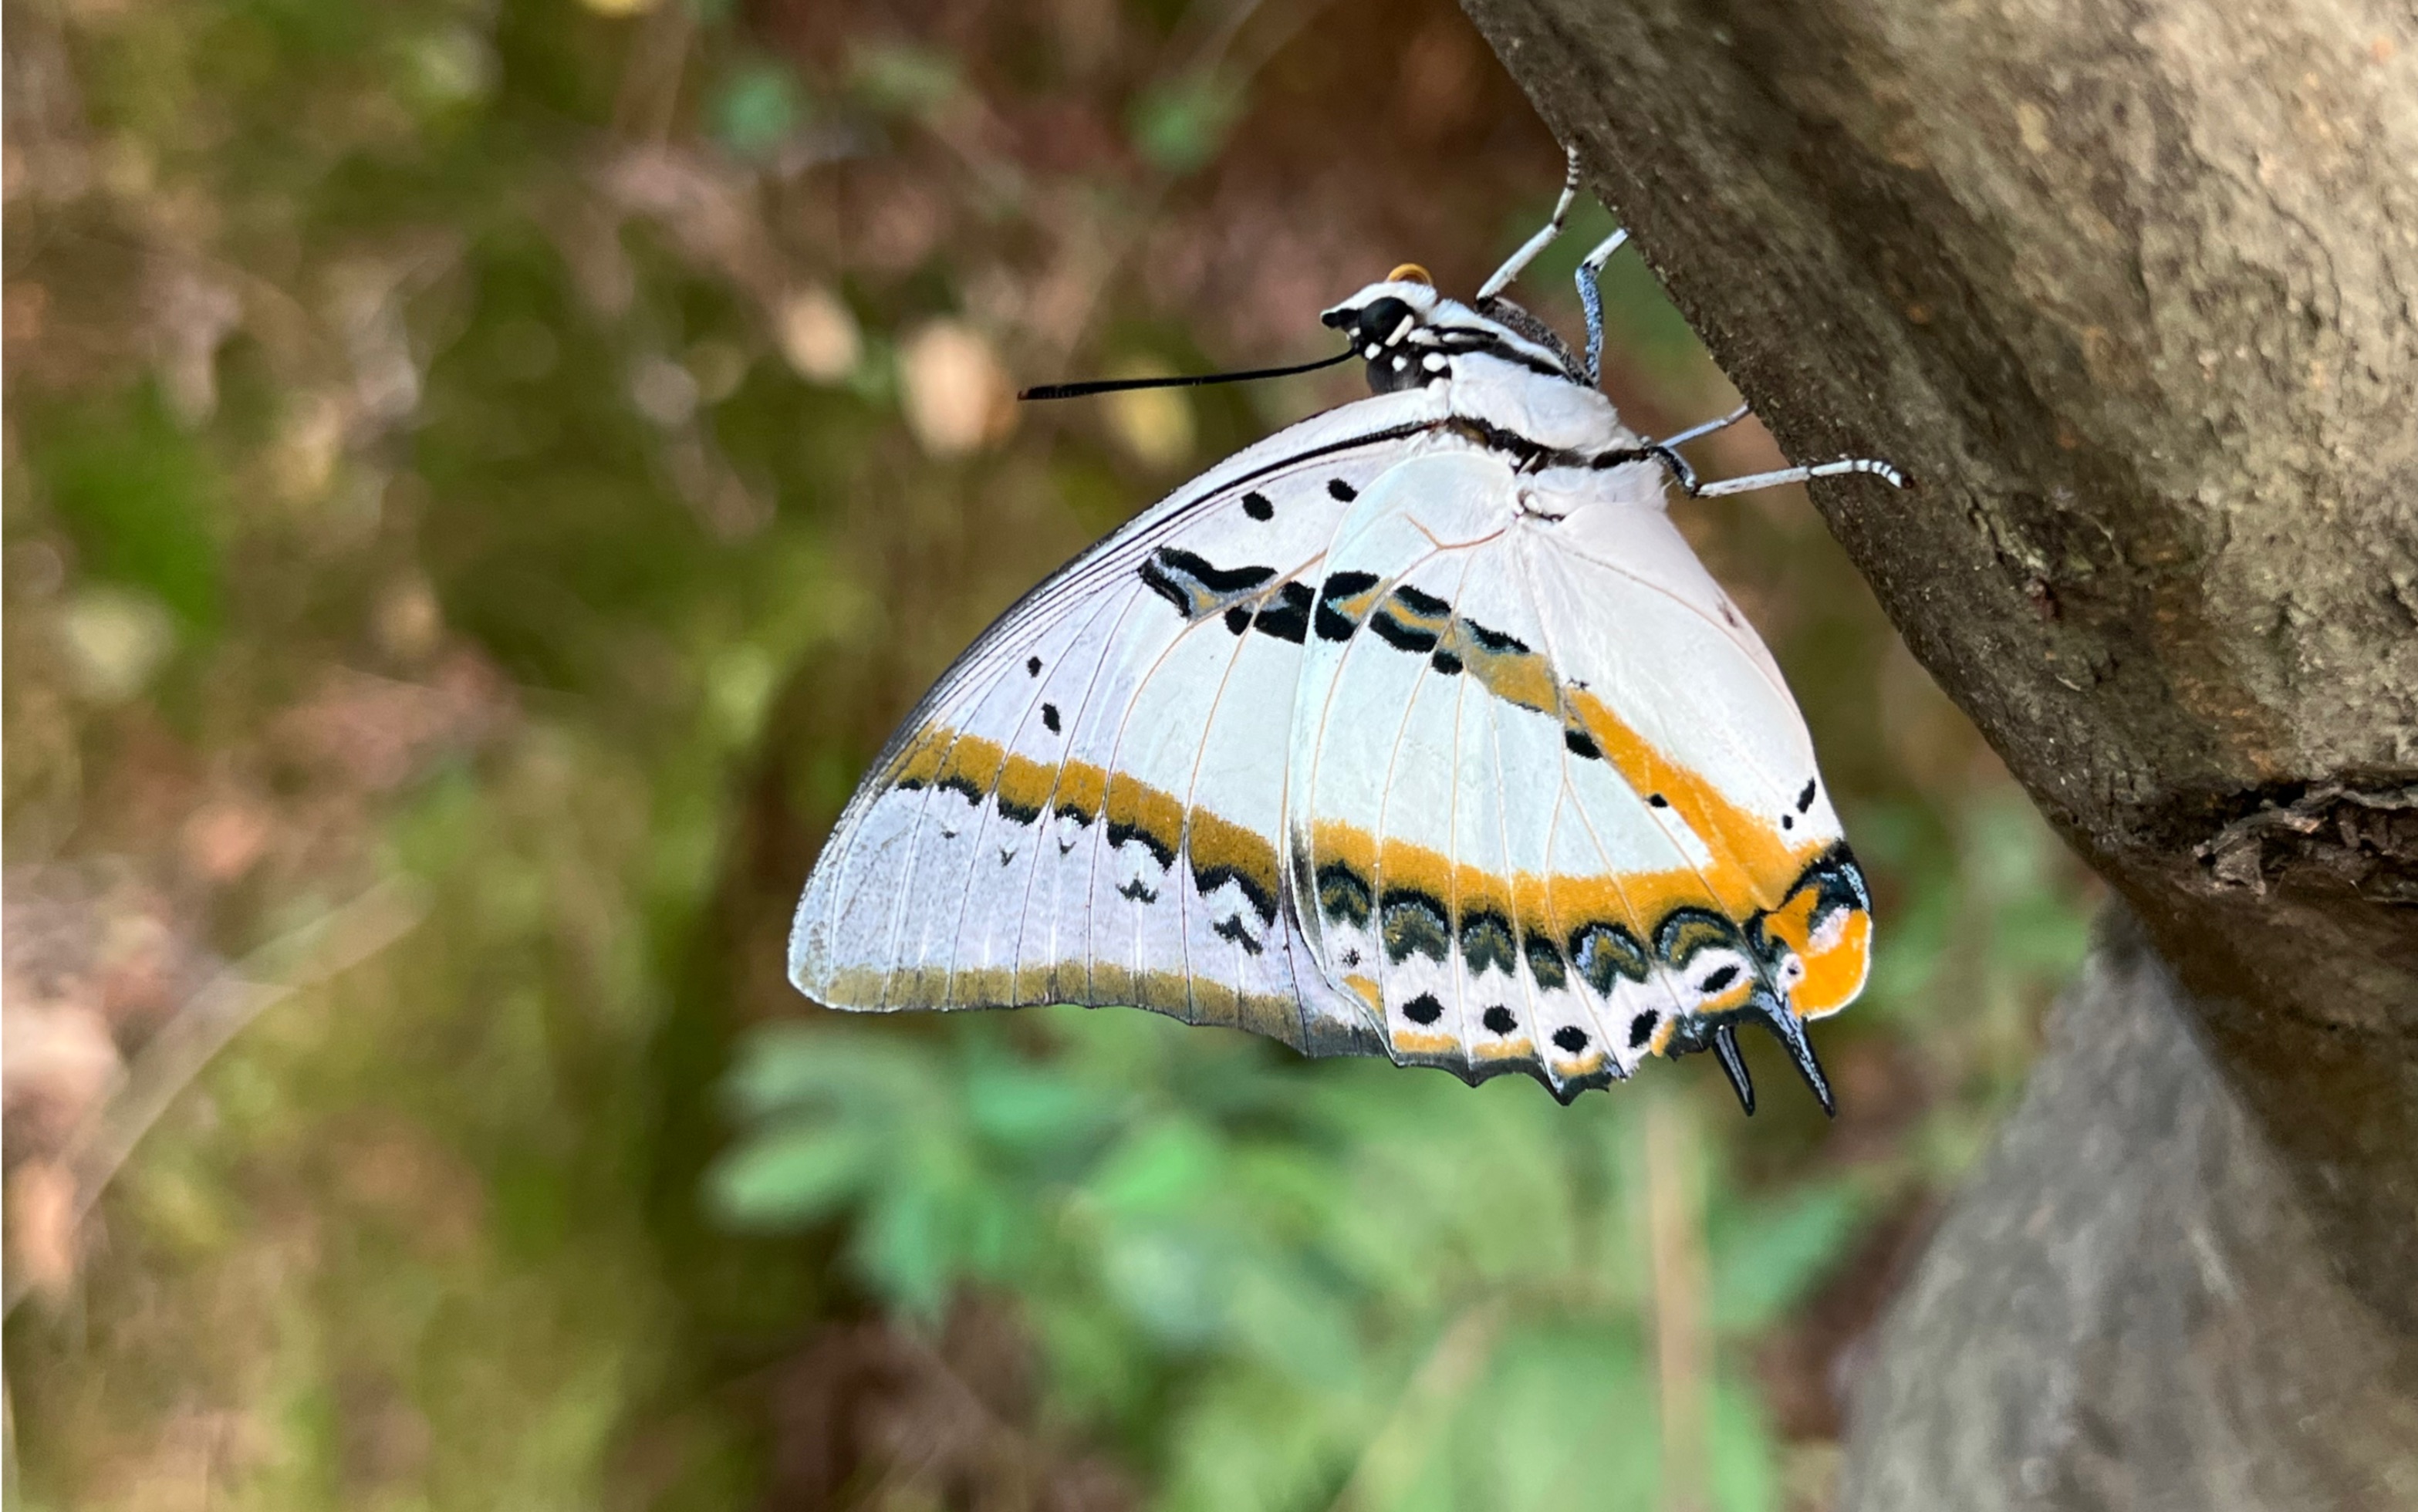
x=1112 y=386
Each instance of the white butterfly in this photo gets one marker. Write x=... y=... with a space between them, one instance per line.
x=1416 y=729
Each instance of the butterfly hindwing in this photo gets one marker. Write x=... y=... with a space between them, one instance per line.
x=1545 y=809
x=1681 y=702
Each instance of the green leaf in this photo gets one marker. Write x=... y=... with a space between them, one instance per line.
x=1766 y=1256
x=792 y=1175
x=1159 y=1171
x=904 y=1248
x=793 y=1065
x=1023 y=1107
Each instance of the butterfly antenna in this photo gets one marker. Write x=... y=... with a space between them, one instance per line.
x=1726 y=1050
x=1114 y=385
x=1789 y=1031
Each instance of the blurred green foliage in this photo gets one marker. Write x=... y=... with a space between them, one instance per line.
x=530 y=455
x=1217 y=1250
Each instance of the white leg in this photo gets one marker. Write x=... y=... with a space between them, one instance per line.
x=1696 y=433
x=1797 y=474
x=1542 y=239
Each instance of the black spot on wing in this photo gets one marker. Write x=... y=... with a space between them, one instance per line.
x=1343 y=895
x=1013 y=812
x=1210 y=878
x=1445 y=663
x=1413 y=923
x=1033 y=666
x=1545 y=963
x=1499 y=1019
x=1684 y=932
x=1641 y=1029
x=1486 y=942
x=1119 y=832
x=1423 y=1009
x=1340 y=490
x=1049 y=717
x=1570 y=1038
x=1217 y=580
x=1333 y=623
x=1805 y=798
x=1155 y=577
x=1605 y=953
x=1719 y=978
x=1494 y=642
x=1287 y=616
x=1138 y=891
x=1233 y=929
x=1398 y=636
x=1582 y=744
x=1256 y=505
x=1837 y=879
x=1195 y=584
x=1238 y=619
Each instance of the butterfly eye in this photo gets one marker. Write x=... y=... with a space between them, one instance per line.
x=1384 y=322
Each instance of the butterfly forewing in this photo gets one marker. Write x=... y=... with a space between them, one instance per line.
x=1087 y=807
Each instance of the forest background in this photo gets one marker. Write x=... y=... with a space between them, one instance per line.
x=481 y=480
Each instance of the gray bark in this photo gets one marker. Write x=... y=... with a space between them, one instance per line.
x=2133 y=292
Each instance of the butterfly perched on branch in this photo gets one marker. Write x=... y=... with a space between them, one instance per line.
x=1416 y=729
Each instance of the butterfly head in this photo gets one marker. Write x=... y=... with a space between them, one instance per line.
x=1410 y=336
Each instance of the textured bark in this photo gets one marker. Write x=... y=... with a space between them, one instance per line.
x=2131 y=289
x=2131 y=1354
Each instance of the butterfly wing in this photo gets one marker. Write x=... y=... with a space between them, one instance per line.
x=1088 y=806
x=1543 y=807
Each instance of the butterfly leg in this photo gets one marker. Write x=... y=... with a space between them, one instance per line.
x=1542 y=239
x=1591 y=300
x=1797 y=474
x=1697 y=432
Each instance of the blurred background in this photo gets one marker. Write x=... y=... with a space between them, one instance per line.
x=482 y=479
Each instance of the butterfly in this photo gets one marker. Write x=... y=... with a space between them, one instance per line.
x=1416 y=729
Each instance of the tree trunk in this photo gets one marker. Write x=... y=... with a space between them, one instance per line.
x=2133 y=292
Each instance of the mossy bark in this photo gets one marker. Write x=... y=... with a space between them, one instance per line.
x=2133 y=292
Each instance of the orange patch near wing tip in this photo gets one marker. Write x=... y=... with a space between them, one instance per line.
x=1835 y=976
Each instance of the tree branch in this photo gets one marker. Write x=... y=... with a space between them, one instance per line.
x=2133 y=292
